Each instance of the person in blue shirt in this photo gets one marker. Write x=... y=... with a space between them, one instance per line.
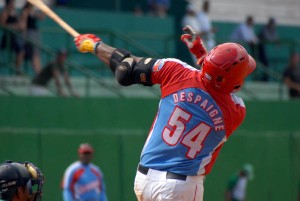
x=83 y=180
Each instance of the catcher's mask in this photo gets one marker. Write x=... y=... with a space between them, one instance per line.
x=15 y=174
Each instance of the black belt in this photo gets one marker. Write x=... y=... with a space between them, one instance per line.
x=170 y=175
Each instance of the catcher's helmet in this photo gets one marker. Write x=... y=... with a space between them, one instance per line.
x=14 y=175
x=226 y=66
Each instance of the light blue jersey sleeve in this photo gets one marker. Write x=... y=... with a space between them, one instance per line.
x=103 y=196
x=67 y=195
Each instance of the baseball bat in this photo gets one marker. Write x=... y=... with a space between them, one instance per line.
x=45 y=9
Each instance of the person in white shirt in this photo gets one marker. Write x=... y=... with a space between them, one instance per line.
x=207 y=31
x=237 y=185
x=244 y=33
x=190 y=19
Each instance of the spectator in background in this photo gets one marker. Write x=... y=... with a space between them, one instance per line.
x=159 y=8
x=29 y=19
x=237 y=185
x=269 y=31
x=55 y=69
x=244 y=33
x=83 y=180
x=9 y=19
x=207 y=31
x=291 y=76
x=268 y=34
x=190 y=18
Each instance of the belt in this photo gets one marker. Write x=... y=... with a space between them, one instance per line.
x=170 y=175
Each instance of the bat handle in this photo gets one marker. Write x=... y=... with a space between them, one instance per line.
x=74 y=33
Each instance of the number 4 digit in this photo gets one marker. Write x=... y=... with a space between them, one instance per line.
x=193 y=140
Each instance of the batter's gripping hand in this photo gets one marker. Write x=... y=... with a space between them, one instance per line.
x=86 y=42
x=193 y=41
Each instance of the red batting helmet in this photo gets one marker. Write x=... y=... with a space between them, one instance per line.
x=85 y=148
x=226 y=66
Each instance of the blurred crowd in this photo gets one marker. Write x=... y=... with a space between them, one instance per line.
x=243 y=33
x=197 y=15
x=256 y=41
x=24 y=22
x=26 y=49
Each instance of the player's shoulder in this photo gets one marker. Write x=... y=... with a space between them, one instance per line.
x=170 y=63
x=74 y=166
x=72 y=169
x=95 y=167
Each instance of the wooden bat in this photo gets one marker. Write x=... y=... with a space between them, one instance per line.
x=45 y=9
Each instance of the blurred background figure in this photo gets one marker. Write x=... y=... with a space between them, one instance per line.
x=54 y=69
x=29 y=22
x=267 y=34
x=190 y=18
x=244 y=33
x=269 y=31
x=158 y=8
x=9 y=19
x=291 y=76
x=83 y=180
x=207 y=31
x=237 y=185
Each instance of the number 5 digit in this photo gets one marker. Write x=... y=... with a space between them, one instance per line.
x=176 y=126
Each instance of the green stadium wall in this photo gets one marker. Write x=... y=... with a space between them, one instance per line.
x=47 y=131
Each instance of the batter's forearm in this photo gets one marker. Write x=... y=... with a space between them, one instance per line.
x=110 y=56
x=104 y=52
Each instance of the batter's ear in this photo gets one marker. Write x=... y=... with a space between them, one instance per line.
x=20 y=192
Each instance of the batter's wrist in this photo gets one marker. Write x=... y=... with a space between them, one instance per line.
x=96 y=46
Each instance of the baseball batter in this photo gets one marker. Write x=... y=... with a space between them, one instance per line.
x=197 y=112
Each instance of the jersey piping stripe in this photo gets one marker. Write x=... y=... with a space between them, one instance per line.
x=75 y=178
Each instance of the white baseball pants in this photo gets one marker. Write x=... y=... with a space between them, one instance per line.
x=153 y=185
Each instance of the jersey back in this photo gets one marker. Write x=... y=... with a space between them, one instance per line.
x=191 y=124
